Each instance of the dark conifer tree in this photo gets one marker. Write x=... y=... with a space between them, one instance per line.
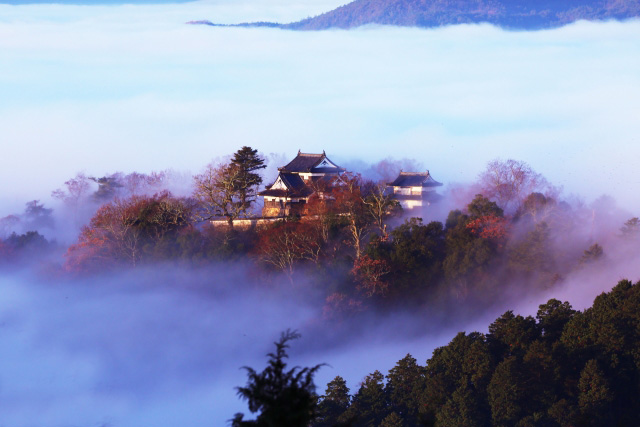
x=108 y=187
x=394 y=420
x=510 y=335
x=464 y=408
x=532 y=255
x=595 y=395
x=37 y=216
x=370 y=404
x=552 y=317
x=593 y=254
x=465 y=362
x=247 y=161
x=404 y=388
x=469 y=253
x=283 y=397
x=506 y=393
x=333 y=404
x=631 y=229
x=481 y=206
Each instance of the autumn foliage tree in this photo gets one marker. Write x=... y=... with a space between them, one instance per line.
x=287 y=242
x=349 y=194
x=489 y=227
x=229 y=189
x=508 y=182
x=127 y=230
x=380 y=206
x=370 y=274
x=349 y=200
x=215 y=190
x=473 y=241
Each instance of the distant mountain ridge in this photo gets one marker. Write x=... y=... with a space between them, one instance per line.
x=511 y=14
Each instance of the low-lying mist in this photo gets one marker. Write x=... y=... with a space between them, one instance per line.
x=163 y=345
x=159 y=346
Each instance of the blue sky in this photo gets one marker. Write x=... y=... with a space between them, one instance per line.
x=91 y=2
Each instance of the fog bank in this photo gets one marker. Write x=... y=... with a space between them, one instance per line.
x=163 y=346
x=123 y=88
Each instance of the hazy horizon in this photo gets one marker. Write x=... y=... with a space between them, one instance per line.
x=132 y=88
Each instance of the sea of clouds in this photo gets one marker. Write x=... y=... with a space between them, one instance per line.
x=110 y=88
x=122 y=88
x=164 y=345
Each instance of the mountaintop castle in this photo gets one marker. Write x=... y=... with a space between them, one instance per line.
x=299 y=179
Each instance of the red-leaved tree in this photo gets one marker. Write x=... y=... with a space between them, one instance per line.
x=369 y=274
x=122 y=231
x=285 y=243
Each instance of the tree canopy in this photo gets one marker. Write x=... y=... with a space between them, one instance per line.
x=564 y=368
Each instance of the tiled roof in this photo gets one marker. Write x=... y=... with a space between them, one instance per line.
x=415 y=179
x=292 y=180
x=296 y=187
x=306 y=162
x=290 y=175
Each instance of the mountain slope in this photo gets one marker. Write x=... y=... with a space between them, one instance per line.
x=516 y=14
x=512 y=14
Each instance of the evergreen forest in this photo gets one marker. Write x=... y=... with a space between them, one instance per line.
x=562 y=368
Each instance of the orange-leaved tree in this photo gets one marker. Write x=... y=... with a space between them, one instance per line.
x=125 y=230
x=286 y=243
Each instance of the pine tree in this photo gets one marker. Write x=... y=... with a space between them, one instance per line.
x=405 y=383
x=334 y=404
x=464 y=408
x=229 y=189
x=506 y=393
x=595 y=395
x=283 y=398
x=393 y=420
x=247 y=161
x=370 y=405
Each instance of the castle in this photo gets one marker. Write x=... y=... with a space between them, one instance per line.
x=289 y=194
x=297 y=182
x=414 y=189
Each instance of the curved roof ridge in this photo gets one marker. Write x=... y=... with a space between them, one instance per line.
x=415 y=179
x=305 y=162
x=415 y=173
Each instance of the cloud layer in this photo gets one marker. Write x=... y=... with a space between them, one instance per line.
x=163 y=346
x=132 y=88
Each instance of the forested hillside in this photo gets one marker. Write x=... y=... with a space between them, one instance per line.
x=562 y=368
